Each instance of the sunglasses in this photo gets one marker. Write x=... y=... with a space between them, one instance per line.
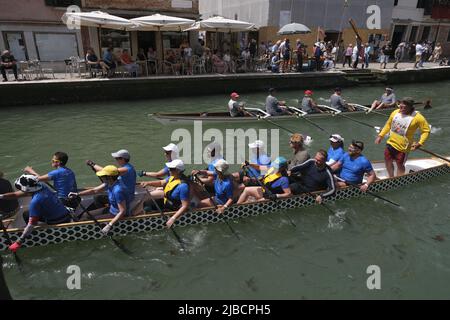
x=55 y=161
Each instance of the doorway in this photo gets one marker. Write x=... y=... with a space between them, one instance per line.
x=15 y=43
x=397 y=35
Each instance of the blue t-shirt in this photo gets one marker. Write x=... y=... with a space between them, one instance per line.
x=181 y=192
x=282 y=183
x=46 y=206
x=64 y=181
x=263 y=160
x=335 y=154
x=118 y=193
x=353 y=169
x=129 y=179
x=223 y=189
x=211 y=165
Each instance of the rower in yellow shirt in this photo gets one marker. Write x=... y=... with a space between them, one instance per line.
x=401 y=126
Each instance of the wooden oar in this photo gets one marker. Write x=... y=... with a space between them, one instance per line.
x=377 y=129
x=371 y=193
x=267 y=120
x=9 y=242
x=165 y=220
x=4 y=291
x=267 y=190
x=433 y=154
x=117 y=243
x=200 y=182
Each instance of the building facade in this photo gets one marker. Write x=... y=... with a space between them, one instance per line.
x=418 y=20
x=327 y=19
x=33 y=29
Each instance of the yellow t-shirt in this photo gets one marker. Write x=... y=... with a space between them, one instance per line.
x=402 y=131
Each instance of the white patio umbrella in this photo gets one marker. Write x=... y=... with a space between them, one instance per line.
x=221 y=24
x=294 y=28
x=159 y=22
x=97 y=19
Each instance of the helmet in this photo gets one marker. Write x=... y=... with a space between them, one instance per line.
x=279 y=162
x=28 y=183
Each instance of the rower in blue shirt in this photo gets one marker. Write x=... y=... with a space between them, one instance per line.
x=336 y=150
x=259 y=163
x=171 y=153
x=353 y=166
x=63 y=178
x=44 y=206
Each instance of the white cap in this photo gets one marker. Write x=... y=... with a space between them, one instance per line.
x=221 y=165
x=171 y=147
x=121 y=154
x=336 y=138
x=256 y=144
x=177 y=164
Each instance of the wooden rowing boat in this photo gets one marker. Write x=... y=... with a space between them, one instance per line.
x=419 y=170
x=220 y=117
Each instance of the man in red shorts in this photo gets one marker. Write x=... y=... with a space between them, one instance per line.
x=401 y=125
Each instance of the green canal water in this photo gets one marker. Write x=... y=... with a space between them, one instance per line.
x=325 y=256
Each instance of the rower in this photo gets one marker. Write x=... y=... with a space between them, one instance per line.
x=275 y=107
x=259 y=161
x=176 y=191
x=353 y=166
x=401 y=125
x=8 y=208
x=314 y=175
x=214 y=153
x=300 y=154
x=63 y=178
x=223 y=187
x=308 y=104
x=276 y=184
x=171 y=153
x=236 y=108
x=336 y=150
x=337 y=102
x=127 y=174
x=44 y=206
x=387 y=100
x=119 y=197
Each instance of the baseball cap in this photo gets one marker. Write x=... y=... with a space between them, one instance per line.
x=256 y=144
x=234 y=95
x=176 y=164
x=121 y=154
x=279 y=162
x=408 y=101
x=308 y=92
x=108 y=171
x=171 y=147
x=221 y=165
x=336 y=138
x=358 y=144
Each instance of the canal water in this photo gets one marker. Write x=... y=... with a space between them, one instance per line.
x=324 y=256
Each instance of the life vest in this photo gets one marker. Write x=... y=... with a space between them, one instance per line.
x=270 y=178
x=169 y=188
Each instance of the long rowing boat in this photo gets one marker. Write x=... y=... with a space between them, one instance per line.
x=418 y=170
x=256 y=113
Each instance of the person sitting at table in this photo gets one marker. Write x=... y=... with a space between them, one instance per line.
x=94 y=63
x=109 y=60
x=141 y=55
x=229 y=63
x=219 y=64
x=128 y=64
x=152 y=58
x=172 y=59
x=7 y=61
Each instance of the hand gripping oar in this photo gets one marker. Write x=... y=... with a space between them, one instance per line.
x=117 y=243
x=164 y=218
x=433 y=154
x=9 y=242
x=265 y=189
x=200 y=182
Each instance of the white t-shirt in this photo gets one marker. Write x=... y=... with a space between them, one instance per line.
x=419 y=50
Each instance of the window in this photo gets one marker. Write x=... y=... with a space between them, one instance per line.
x=425 y=33
x=117 y=39
x=427 y=5
x=16 y=44
x=62 y=3
x=395 y=3
x=56 y=46
x=413 y=34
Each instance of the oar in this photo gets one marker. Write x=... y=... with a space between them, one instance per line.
x=377 y=129
x=373 y=194
x=117 y=243
x=165 y=220
x=264 y=188
x=200 y=182
x=269 y=121
x=4 y=291
x=9 y=242
x=311 y=122
x=433 y=154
